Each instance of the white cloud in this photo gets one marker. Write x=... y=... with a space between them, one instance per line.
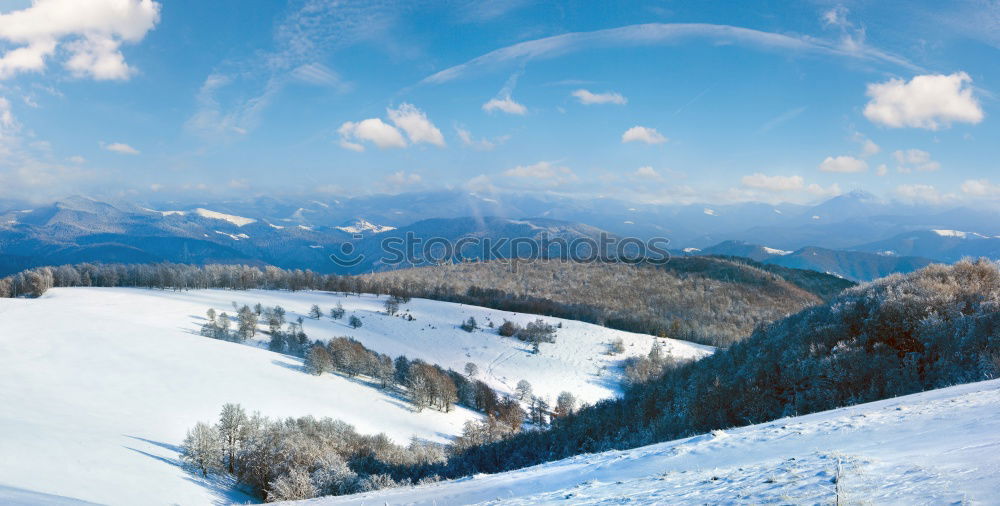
x=818 y=191
x=414 y=122
x=120 y=148
x=647 y=172
x=869 y=148
x=406 y=118
x=837 y=16
x=77 y=159
x=926 y=101
x=373 y=130
x=480 y=183
x=922 y=194
x=93 y=31
x=643 y=134
x=981 y=188
x=7 y=120
x=773 y=183
x=587 y=98
x=882 y=169
x=399 y=182
x=914 y=159
x=844 y=164
x=547 y=172
x=479 y=144
x=352 y=146
x=505 y=104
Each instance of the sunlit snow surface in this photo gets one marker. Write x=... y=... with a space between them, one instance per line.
x=938 y=447
x=100 y=385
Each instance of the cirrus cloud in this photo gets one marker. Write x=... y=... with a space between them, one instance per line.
x=587 y=97
x=926 y=101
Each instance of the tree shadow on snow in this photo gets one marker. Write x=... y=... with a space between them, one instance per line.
x=167 y=460
x=167 y=446
x=297 y=367
x=223 y=488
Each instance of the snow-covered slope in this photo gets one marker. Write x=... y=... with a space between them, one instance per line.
x=937 y=447
x=99 y=385
x=578 y=361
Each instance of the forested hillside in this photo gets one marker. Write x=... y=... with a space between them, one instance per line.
x=936 y=327
x=709 y=300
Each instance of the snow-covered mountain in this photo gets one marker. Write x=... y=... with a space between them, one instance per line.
x=944 y=245
x=852 y=265
x=936 y=447
x=361 y=226
x=302 y=232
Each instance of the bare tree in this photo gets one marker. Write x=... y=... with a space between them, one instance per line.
x=202 y=448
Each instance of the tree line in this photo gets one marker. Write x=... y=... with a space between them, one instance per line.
x=713 y=301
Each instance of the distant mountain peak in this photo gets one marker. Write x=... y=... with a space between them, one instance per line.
x=362 y=225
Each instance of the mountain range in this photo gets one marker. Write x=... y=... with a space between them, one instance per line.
x=855 y=235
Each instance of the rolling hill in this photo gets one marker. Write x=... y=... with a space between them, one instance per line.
x=109 y=380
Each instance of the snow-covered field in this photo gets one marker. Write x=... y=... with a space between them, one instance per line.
x=937 y=447
x=100 y=385
x=578 y=361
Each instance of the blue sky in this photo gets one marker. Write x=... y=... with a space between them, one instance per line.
x=670 y=102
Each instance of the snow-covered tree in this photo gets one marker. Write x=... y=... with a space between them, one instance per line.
x=391 y=306
x=232 y=428
x=202 y=448
x=337 y=312
x=523 y=390
x=565 y=404
x=293 y=486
